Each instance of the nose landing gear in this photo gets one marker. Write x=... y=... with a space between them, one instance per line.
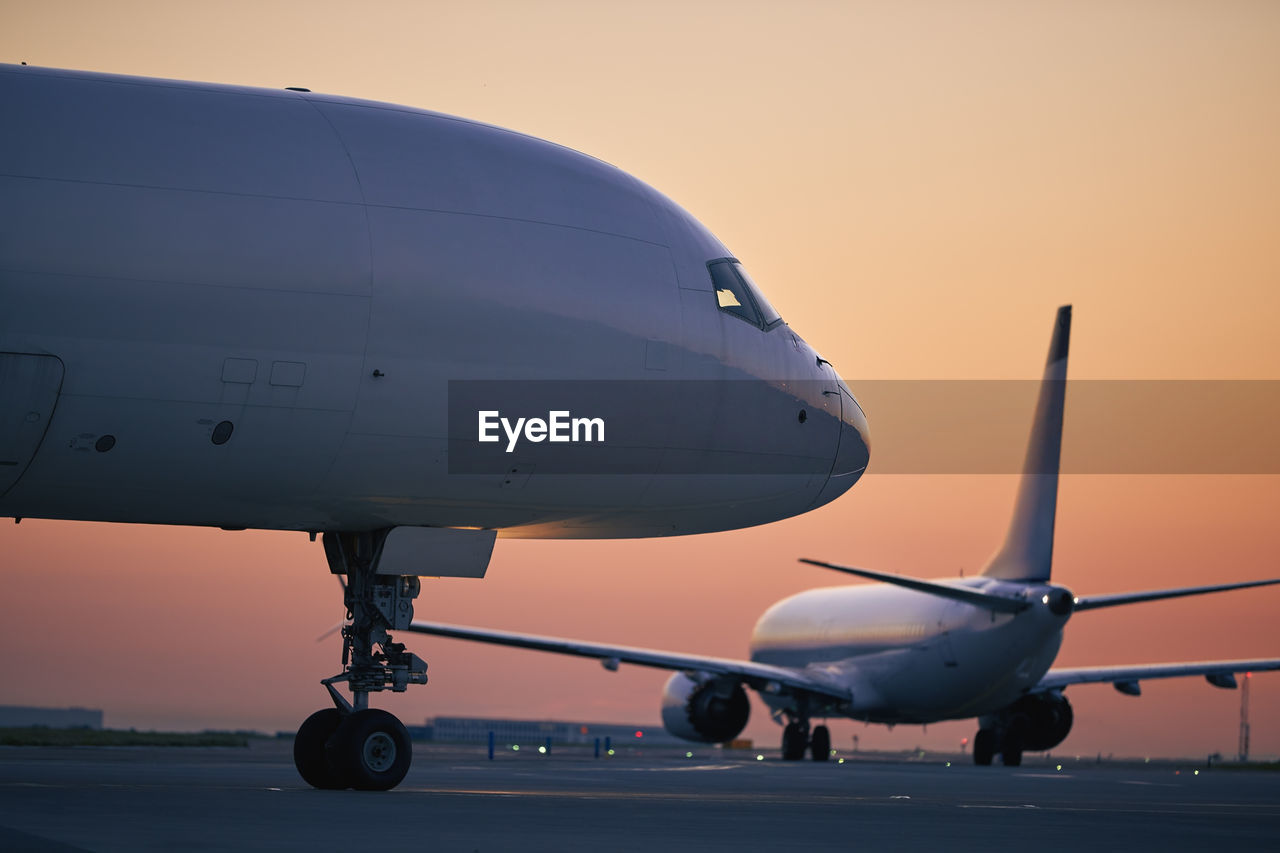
x=352 y=745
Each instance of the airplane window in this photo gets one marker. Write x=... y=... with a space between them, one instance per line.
x=768 y=313
x=726 y=299
x=731 y=293
x=737 y=294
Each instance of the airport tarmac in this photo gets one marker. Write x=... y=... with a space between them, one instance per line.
x=107 y=799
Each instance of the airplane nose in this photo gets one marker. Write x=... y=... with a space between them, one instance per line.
x=853 y=453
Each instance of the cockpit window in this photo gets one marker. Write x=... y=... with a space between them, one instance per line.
x=737 y=294
x=768 y=314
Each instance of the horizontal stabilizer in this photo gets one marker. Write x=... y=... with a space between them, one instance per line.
x=998 y=603
x=1093 y=602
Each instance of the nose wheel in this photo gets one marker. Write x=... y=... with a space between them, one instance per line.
x=367 y=750
x=352 y=745
x=310 y=750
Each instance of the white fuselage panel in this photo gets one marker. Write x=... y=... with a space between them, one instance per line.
x=909 y=656
x=314 y=271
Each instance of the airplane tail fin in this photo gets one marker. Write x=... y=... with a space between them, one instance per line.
x=1027 y=552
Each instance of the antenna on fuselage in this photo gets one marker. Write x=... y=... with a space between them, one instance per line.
x=1027 y=552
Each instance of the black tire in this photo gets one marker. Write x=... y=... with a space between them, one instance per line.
x=1011 y=746
x=984 y=747
x=820 y=743
x=310 y=755
x=371 y=750
x=793 y=742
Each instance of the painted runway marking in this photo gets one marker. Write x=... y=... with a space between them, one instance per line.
x=1150 y=784
x=807 y=799
x=975 y=806
x=681 y=769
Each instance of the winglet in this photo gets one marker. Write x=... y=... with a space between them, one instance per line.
x=1027 y=552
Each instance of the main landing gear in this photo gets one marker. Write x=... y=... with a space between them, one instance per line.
x=352 y=745
x=1009 y=743
x=797 y=737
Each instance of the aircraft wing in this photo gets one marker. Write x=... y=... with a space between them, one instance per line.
x=1126 y=678
x=763 y=677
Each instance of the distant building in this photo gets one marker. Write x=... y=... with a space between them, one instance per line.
x=20 y=716
x=476 y=730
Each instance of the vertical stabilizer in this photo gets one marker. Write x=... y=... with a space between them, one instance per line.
x=1027 y=553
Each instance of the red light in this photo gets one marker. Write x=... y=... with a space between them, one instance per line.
x=1248 y=675
x=964 y=741
x=639 y=733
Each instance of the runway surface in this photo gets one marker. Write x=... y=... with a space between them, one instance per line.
x=106 y=799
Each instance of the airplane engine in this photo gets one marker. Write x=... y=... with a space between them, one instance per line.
x=712 y=711
x=1046 y=720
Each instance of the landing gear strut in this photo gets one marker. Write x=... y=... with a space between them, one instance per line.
x=352 y=745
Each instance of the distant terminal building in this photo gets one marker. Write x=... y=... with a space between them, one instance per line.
x=20 y=716
x=476 y=730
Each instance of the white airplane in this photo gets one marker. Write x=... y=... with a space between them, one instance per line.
x=406 y=331
x=910 y=650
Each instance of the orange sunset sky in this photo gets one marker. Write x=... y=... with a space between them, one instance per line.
x=915 y=185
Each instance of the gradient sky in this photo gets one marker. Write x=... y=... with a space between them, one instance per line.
x=916 y=185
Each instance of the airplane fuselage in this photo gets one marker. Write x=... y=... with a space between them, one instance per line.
x=244 y=308
x=910 y=657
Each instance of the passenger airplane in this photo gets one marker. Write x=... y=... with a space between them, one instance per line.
x=250 y=308
x=910 y=650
